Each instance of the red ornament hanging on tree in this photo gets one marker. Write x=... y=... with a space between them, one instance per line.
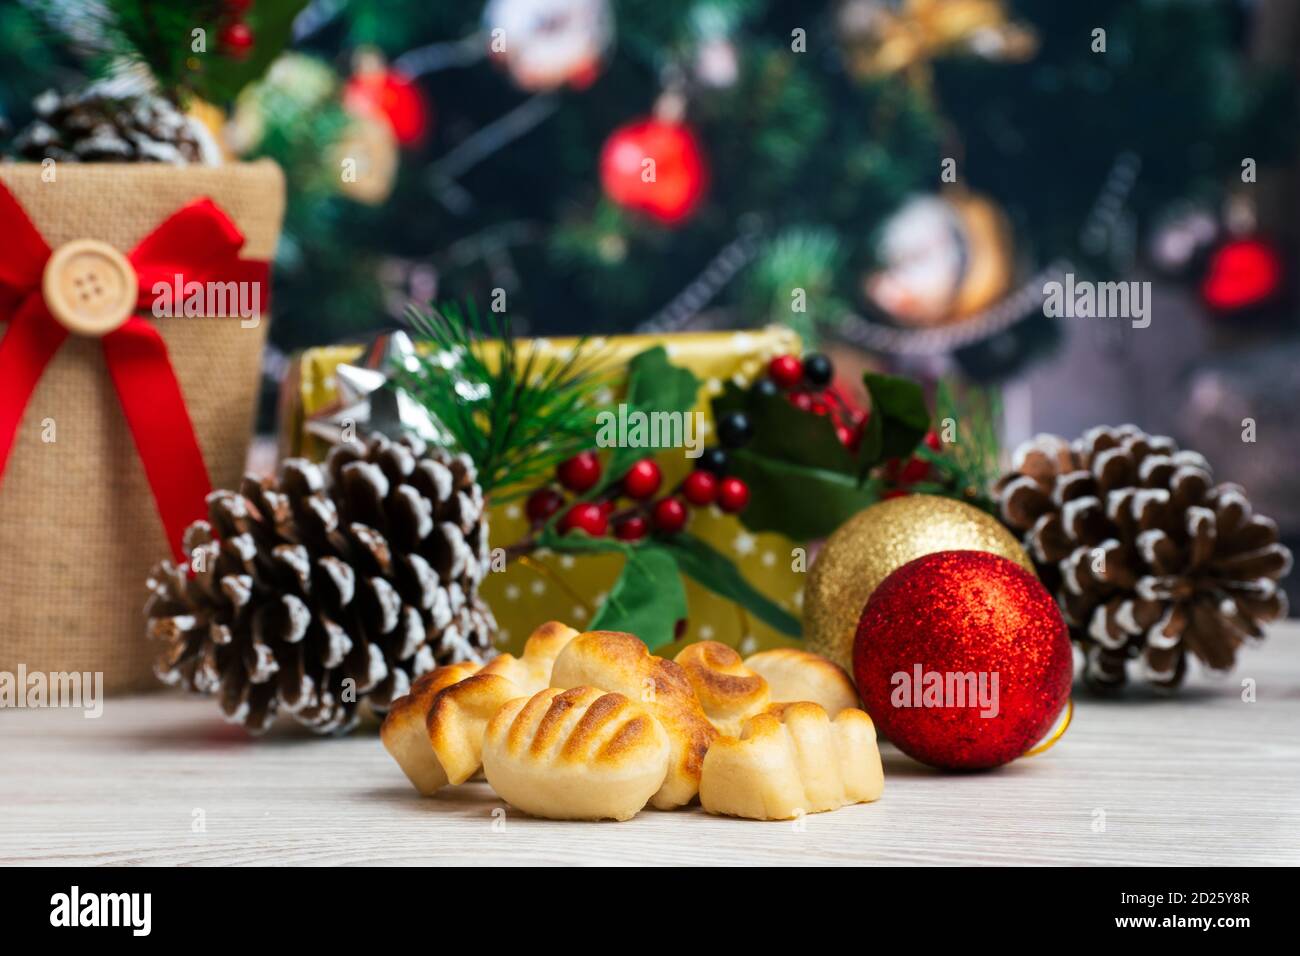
x=236 y=39
x=1243 y=273
x=656 y=167
x=375 y=90
x=962 y=659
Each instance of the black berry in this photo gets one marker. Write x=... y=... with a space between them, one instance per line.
x=765 y=388
x=735 y=430
x=817 y=370
x=713 y=459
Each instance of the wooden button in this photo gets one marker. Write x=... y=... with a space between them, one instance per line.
x=89 y=287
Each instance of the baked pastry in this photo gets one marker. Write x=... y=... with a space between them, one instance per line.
x=405 y=729
x=435 y=733
x=729 y=692
x=791 y=760
x=577 y=754
x=795 y=674
x=531 y=671
x=622 y=664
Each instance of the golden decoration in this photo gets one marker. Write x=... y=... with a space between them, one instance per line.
x=943 y=258
x=368 y=157
x=989 y=272
x=1054 y=737
x=872 y=544
x=212 y=120
x=883 y=38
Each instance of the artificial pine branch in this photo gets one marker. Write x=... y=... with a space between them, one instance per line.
x=158 y=34
x=518 y=414
x=803 y=258
x=968 y=466
x=158 y=39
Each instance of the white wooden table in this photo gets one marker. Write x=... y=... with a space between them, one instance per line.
x=1202 y=779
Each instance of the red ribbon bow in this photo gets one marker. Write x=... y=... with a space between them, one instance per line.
x=199 y=243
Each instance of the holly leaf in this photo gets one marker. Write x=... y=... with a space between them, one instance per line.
x=714 y=571
x=648 y=598
x=796 y=500
x=223 y=76
x=898 y=420
x=654 y=384
x=783 y=431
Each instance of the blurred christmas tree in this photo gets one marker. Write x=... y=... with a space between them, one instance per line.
x=609 y=165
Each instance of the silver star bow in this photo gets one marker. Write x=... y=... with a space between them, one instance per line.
x=368 y=402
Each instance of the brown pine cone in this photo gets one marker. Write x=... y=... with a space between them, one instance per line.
x=98 y=125
x=1147 y=556
x=309 y=596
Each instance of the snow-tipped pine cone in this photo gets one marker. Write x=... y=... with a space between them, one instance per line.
x=99 y=125
x=1148 y=557
x=327 y=587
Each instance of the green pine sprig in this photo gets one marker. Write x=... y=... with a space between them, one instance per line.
x=156 y=34
x=516 y=415
x=968 y=465
x=159 y=34
x=177 y=42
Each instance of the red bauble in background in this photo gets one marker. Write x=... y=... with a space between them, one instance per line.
x=236 y=39
x=656 y=167
x=963 y=613
x=375 y=90
x=1242 y=273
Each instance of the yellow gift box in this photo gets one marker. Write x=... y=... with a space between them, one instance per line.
x=544 y=586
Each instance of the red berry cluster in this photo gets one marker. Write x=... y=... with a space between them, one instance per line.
x=707 y=485
x=807 y=385
x=236 y=38
x=903 y=474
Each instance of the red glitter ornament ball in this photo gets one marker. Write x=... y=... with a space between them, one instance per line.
x=962 y=659
x=655 y=167
x=396 y=99
x=1243 y=274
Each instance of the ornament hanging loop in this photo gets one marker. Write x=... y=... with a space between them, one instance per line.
x=1057 y=734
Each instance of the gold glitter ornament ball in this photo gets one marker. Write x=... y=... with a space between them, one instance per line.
x=875 y=542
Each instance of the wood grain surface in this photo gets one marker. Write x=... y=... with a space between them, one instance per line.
x=1203 y=778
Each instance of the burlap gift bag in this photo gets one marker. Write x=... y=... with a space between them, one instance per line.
x=79 y=528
